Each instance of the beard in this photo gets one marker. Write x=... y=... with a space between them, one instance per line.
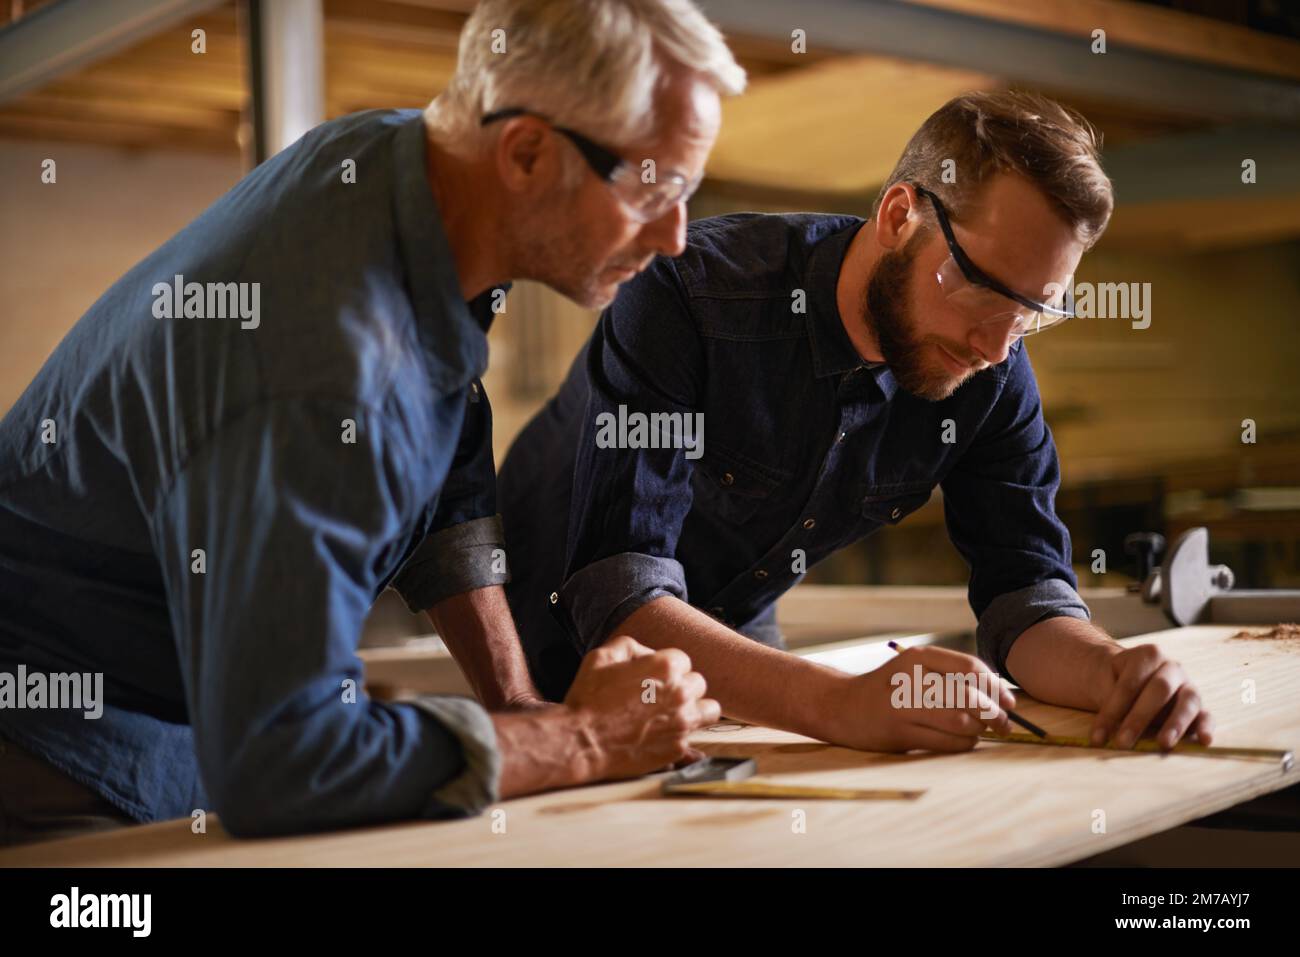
x=911 y=357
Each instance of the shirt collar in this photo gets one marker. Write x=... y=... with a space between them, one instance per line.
x=452 y=336
x=833 y=351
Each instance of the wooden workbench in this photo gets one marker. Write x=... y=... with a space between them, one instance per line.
x=1001 y=804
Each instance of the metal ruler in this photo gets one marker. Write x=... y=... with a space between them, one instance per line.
x=1149 y=745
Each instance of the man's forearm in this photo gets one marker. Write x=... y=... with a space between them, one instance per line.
x=1060 y=659
x=542 y=750
x=752 y=682
x=479 y=631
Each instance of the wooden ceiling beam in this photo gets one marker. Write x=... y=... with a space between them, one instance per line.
x=1036 y=54
x=835 y=126
x=147 y=113
x=207 y=88
x=395 y=22
x=134 y=135
x=69 y=35
x=1146 y=27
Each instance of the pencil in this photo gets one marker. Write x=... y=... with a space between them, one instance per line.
x=1027 y=725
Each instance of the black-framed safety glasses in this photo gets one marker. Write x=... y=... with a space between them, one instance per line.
x=986 y=299
x=645 y=200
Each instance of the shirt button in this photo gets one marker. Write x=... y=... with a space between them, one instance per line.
x=555 y=597
x=809 y=522
x=895 y=513
x=761 y=575
x=728 y=478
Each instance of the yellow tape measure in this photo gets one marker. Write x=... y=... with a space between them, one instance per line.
x=760 y=789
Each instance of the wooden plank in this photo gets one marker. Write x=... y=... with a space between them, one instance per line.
x=999 y=805
x=212 y=89
x=815 y=614
x=419 y=666
x=127 y=135
x=146 y=112
x=393 y=22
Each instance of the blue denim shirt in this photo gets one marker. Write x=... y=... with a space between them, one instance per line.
x=806 y=449
x=204 y=509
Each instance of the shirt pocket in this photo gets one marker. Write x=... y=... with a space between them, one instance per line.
x=886 y=506
x=729 y=487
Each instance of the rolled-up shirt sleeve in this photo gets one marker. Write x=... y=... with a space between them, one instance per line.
x=598 y=597
x=465 y=547
x=477 y=785
x=1000 y=508
x=1008 y=615
x=628 y=504
x=269 y=573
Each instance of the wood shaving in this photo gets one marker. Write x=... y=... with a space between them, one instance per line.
x=1282 y=632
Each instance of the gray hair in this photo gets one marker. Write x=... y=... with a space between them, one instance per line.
x=594 y=65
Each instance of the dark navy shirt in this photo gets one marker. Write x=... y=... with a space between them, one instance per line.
x=203 y=509
x=806 y=449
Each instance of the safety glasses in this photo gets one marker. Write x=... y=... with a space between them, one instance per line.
x=981 y=297
x=645 y=202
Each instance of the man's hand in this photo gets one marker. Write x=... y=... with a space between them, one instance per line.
x=1140 y=689
x=1073 y=663
x=639 y=707
x=869 y=719
x=629 y=711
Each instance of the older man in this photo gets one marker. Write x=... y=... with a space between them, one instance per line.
x=842 y=370
x=277 y=413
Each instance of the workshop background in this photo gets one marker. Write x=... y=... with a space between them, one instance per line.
x=1149 y=422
